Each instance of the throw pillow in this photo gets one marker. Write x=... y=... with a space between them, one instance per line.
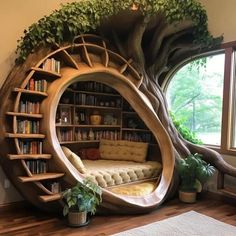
x=74 y=159
x=123 y=150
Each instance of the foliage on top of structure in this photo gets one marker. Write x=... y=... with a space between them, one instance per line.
x=85 y=16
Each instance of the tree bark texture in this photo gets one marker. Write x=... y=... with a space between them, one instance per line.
x=156 y=47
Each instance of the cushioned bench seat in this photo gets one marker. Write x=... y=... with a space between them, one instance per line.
x=108 y=173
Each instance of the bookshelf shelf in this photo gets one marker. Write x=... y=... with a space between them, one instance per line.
x=31 y=92
x=118 y=119
x=29 y=156
x=99 y=126
x=99 y=107
x=26 y=136
x=136 y=130
x=49 y=198
x=80 y=142
x=96 y=93
x=47 y=73
x=39 y=177
x=27 y=115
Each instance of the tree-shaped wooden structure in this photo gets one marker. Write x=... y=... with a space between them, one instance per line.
x=146 y=39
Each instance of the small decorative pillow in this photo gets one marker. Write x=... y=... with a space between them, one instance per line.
x=90 y=153
x=123 y=150
x=74 y=159
x=93 y=154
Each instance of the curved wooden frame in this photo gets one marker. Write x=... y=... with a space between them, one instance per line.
x=102 y=65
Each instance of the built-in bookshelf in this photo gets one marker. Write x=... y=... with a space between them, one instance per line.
x=26 y=129
x=116 y=119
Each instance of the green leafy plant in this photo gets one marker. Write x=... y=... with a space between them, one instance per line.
x=184 y=131
x=83 y=197
x=194 y=172
x=85 y=17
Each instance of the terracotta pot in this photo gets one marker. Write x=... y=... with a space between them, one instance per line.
x=77 y=219
x=95 y=119
x=188 y=197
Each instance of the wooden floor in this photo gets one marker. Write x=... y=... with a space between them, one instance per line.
x=22 y=222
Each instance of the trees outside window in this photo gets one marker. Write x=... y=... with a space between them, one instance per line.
x=195 y=94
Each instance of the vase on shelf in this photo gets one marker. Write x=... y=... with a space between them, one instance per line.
x=95 y=118
x=91 y=135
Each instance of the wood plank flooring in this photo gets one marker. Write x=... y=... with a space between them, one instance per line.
x=23 y=222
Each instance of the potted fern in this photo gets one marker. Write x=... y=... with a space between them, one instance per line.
x=80 y=200
x=193 y=172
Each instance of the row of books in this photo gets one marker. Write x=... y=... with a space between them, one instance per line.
x=27 y=127
x=31 y=147
x=64 y=135
x=95 y=100
x=83 y=135
x=37 y=85
x=133 y=136
x=52 y=65
x=37 y=166
x=93 y=87
x=29 y=107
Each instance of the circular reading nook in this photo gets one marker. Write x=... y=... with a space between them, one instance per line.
x=48 y=122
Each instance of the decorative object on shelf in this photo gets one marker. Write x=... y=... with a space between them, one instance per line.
x=91 y=135
x=132 y=124
x=193 y=172
x=79 y=200
x=109 y=119
x=65 y=115
x=95 y=118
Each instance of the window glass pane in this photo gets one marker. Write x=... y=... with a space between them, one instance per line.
x=194 y=96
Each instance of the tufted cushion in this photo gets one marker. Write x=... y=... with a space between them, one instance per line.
x=108 y=173
x=74 y=159
x=123 y=150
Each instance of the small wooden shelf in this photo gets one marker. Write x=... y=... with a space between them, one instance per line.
x=51 y=74
x=28 y=115
x=39 y=177
x=30 y=92
x=49 y=198
x=16 y=135
x=29 y=156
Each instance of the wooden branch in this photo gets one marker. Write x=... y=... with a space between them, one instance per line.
x=119 y=44
x=170 y=45
x=135 y=50
x=161 y=33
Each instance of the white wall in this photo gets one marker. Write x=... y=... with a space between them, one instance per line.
x=221 y=18
x=16 y=15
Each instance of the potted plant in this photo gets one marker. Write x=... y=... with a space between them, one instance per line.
x=79 y=200
x=193 y=172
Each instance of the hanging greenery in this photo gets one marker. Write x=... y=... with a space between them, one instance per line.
x=85 y=16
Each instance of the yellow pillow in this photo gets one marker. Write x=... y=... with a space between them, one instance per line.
x=74 y=160
x=123 y=150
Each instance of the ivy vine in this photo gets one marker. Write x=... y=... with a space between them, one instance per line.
x=85 y=16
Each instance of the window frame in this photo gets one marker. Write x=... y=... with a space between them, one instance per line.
x=228 y=122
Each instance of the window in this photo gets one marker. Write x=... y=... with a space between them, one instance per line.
x=195 y=95
x=202 y=95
